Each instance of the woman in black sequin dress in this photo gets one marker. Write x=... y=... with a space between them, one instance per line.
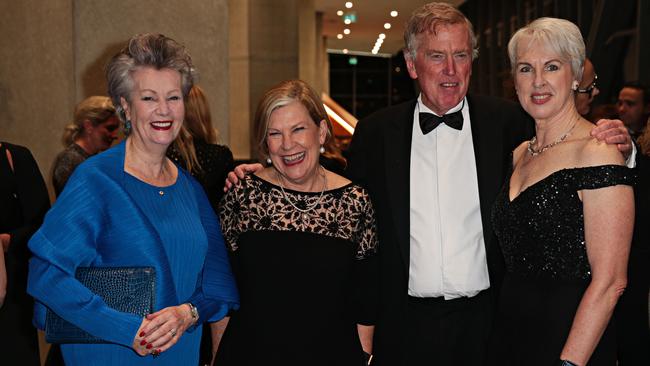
x=564 y=217
x=303 y=242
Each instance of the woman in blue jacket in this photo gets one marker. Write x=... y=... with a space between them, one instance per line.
x=131 y=207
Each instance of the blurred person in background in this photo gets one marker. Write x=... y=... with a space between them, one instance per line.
x=634 y=107
x=93 y=130
x=587 y=89
x=23 y=203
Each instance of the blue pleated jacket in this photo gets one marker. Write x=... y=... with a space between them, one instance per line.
x=95 y=222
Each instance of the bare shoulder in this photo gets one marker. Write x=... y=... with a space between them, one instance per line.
x=594 y=152
x=335 y=181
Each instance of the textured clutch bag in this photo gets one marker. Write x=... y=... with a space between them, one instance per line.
x=127 y=289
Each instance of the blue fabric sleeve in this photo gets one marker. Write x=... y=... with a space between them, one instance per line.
x=66 y=240
x=216 y=293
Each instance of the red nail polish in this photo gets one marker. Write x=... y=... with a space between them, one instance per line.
x=143 y=342
x=142 y=333
x=149 y=346
x=158 y=351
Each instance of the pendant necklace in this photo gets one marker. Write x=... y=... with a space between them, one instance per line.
x=304 y=211
x=532 y=141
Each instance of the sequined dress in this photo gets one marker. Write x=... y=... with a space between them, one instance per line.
x=304 y=278
x=541 y=233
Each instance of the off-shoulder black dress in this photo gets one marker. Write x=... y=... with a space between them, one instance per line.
x=541 y=233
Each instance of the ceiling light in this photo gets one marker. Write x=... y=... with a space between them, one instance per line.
x=382 y=36
x=339 y=13
x=346 y=31
x=345 y=50
x=393 y=13
x=374 y=52
x=347 y=21
x=348 y=4
x=386 y=25
x=339 y=36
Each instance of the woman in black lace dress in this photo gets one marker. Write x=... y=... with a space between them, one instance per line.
x=564 y=218
x=303 y=241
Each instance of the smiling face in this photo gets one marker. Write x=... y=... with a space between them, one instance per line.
x=442 y=66
x=543 y=81
x=156 y=110
x=293 y=140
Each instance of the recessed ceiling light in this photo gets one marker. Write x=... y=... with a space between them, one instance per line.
x=386 y=25
x=393 y=13
x=347 y=21
x=382 y=36
x=348 y=4
x=339 y=36
x=346 y=31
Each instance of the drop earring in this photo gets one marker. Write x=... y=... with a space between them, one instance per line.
x=127 y=127
x=321 y=150
x=269 y=161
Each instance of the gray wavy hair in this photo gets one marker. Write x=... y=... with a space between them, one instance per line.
x=146 y=50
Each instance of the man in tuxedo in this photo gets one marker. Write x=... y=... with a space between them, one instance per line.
x=432 y=182
x=433 y=167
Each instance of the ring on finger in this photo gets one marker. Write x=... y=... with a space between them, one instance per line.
x=173 y=333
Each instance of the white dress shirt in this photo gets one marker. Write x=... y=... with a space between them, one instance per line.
x=446 y=233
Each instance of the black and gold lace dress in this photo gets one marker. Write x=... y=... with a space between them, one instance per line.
x=305 y=278
x=541 y=233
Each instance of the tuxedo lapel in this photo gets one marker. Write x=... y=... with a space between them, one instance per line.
x=397 y=141
x=486 y=166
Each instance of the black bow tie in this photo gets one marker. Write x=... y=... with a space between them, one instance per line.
x=429 y=121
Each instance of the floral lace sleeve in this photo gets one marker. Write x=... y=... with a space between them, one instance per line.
x=366 y=231
x=229 y=211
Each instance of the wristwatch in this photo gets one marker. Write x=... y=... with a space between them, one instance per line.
x=194 y=312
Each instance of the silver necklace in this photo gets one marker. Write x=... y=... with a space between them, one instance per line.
x=532 y=142
x=304 y=211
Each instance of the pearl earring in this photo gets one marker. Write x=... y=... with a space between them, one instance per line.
x=322 y=150
x=269 y=161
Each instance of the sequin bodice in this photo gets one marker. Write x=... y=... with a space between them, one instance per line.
x=541 y=231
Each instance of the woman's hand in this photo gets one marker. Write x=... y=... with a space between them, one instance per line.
x=161 y=330
x=240 y=172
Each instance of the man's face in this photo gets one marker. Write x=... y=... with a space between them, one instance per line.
x=588 y=85
x=442 y=66
x=630 y=108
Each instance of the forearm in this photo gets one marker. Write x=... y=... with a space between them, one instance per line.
x=591 y=319
x=366 y=332
x=216 y=330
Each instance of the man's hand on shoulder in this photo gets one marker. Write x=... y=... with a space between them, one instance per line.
x=614 y=132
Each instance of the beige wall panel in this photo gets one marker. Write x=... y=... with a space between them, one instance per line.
x=239 y=59
x=103 y=27
x=36 y=75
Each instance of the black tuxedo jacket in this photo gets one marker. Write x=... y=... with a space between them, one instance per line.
x=379 y=160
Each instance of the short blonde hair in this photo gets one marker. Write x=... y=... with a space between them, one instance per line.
x=560 y=35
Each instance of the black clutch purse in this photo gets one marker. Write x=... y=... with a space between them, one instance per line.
x=127 y=289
